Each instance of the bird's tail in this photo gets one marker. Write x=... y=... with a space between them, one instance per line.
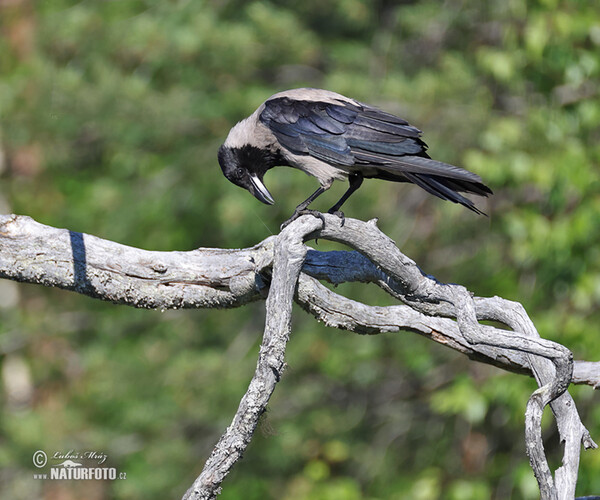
x=448 y=189
x=440 y=179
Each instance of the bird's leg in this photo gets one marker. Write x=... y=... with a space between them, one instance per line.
x=303 y=210
x=355 y=182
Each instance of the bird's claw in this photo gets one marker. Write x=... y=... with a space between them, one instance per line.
x=300 y=213
x=340 y=214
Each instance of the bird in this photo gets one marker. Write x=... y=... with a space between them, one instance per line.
x=332 y=137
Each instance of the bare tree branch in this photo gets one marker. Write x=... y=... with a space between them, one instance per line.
x=289 y=257
x=205 y=277
x=425 y=294
x=34 y=253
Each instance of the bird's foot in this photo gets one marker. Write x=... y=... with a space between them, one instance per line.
x=300 y=213
x=340 y=214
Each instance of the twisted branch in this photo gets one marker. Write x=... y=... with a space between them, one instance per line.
x=205 y=277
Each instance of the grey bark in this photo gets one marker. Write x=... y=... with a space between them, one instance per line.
x=286 y=269
x=288 y=259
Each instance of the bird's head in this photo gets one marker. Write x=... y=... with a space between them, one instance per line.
x=245 y=166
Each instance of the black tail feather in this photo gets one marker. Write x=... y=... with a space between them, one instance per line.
x=446 y=189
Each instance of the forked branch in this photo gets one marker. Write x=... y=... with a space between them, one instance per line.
x=287 y=269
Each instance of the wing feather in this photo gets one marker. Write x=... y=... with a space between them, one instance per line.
x=383 y=126
x=328 y=150
x=327 y=124
x=341 y=114
x=308 y=125
x=377 y=114
x=305 y=127
x=400 y=148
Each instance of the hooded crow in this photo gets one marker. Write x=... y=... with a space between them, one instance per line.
x=333 y=137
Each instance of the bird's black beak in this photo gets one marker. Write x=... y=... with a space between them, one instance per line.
x=260 y=191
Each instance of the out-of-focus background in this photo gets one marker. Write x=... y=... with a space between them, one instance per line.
x=112 y=113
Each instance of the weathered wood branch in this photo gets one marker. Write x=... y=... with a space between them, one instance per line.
x=98 y=268
x=288 y=259
x=35 y=253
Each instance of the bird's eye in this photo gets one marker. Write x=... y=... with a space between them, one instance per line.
x=239 y=172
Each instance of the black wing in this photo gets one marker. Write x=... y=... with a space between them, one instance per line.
x=366 y=139
x=306 y=128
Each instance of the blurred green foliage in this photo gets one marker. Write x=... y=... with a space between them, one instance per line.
x=111 y=115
